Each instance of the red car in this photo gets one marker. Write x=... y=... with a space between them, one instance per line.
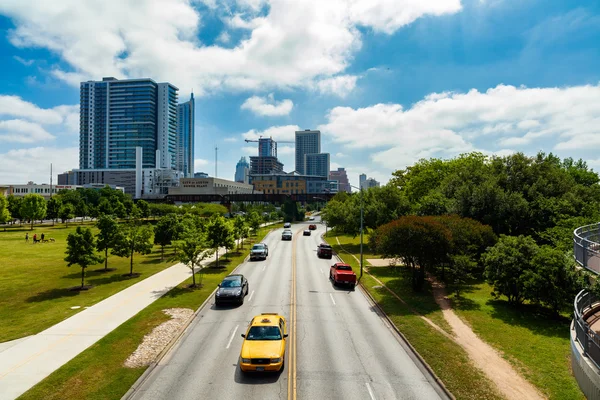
x=341 y=273
x=312 y=227
x=324 y=251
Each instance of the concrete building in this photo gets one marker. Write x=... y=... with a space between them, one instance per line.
x=185 y=137
x=200 y=175
x=66 y=178
x=292 y=183
x=116 y=116
x=307 y=142
x=368 y=183
x=242 y=171
x=189 y=186
x=45 y=189
x=267 y=147
x=317 y=164
x=264 y=165
x=341 y=177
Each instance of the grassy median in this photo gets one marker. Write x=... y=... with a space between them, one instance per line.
x=98 y=372
x=35 y=280
x=447 y=359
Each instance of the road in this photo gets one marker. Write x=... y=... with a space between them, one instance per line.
x=339 y=347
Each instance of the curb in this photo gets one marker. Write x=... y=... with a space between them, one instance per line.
x=444 y=390
x=133 y=389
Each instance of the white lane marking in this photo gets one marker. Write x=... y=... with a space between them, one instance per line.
x=370 y=391
x=251 y=294
x=330 y=295
x=264 y=267
x=232 y=335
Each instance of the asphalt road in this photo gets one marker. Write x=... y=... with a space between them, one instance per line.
x=340 y=347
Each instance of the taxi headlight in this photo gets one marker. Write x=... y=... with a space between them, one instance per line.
x=246 y=360
x=275 y=360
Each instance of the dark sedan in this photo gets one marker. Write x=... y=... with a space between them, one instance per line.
x=233 y=289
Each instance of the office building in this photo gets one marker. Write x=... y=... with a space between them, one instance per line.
x=190 y=186
x=267 y=147
x=185 y=137
x=242 y=170
x=361 y=180
x=317 y=164
x=307 y=142
x=116 y=116
x=341 y=177
x=66 y=178
x=291 y=183
x=366 y=183
x=46 y=190
x=264 y=165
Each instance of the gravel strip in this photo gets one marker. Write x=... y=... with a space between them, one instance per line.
x=155 y=341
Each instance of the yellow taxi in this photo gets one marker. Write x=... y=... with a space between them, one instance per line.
x=264 y=343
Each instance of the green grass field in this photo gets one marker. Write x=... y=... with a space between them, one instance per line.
x=35 y=280
x=98 y=372
x=535 y=343
x=449 y=361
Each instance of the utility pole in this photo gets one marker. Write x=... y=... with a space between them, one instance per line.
x=50 y=180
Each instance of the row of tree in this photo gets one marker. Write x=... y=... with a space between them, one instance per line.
x=507 y=219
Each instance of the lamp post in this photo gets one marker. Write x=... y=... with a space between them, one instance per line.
x=361 y=230
x=322 y=199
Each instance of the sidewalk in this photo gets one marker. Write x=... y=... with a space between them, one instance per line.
x=26 y=361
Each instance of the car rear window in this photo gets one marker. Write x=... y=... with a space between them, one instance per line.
x=344 y=268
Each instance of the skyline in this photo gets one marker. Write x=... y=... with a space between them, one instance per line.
x=435 y=79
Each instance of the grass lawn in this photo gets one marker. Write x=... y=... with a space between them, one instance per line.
x=536 y=344
x=449 y=361
x=98 y=372
x=35 y=280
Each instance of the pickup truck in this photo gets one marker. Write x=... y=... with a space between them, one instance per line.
x=259 y=251
x=341 y=273
x=324 y=251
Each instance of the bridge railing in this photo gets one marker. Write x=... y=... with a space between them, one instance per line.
x=587 y=338
x=586 y=247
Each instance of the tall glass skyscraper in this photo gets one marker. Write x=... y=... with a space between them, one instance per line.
x=242 y=169
x=185 y=137
x=116 y=116
x=307 y=142
x=317 y=164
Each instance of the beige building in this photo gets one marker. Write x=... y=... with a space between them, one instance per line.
x=211 y=186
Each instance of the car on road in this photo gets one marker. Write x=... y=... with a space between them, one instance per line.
x=306 y=232
x=311 y=218
x=342 y=274
x=286 y=235
x=324 y=251
x=312 y=227
x=260 y=251
x=232 y=289
x=263 y=348
x=287 y=225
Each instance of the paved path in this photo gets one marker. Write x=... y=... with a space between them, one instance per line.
x=25 y=362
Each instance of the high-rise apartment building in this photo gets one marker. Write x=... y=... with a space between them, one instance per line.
x=267 y=147
x=361 y=180
x=116 y=116
x=307 y=142
x=185 y=137
x=341 y=177
x=317 y=164
x=242 y=170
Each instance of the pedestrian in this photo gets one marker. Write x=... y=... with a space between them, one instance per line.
x=42 y=238
x=35 y=238
x=27 y=238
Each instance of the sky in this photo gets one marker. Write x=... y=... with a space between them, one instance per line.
x=388 y=82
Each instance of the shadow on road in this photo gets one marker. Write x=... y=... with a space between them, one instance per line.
x=256 y=378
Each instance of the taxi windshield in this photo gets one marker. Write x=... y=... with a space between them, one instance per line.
x=264 y=333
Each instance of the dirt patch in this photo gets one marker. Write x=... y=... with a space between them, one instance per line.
x=159 y=338
x=485 y=357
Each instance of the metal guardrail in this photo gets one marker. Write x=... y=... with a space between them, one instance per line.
x=586 y=247
x=587 y=338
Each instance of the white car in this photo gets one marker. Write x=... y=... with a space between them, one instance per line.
x=311 y=218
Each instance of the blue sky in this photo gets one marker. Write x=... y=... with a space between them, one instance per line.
x=387 y=82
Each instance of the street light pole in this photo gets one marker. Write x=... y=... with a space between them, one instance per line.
x=361 y=229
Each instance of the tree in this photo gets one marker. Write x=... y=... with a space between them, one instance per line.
x=506 y=263
x=461 y=272
x=81 y=250
x=4 y=213
x=166 y=230
x=108 y=232
x=33 y=207
x=132 y=238
x=254 y=221
x=239 y=229
x=144 y=208
x=219 y=234
x=192 y=247
x=66 y=212
x=53 y=206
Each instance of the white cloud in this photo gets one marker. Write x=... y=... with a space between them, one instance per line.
x=200 y=164
x=33 y=164
x=23 y=61
x=267 y=106
x=224 y=37
x=295 y=45
x=447 y=124
x=230 y=139
x=340 y=155
x=278 y=133
x=19 y=131
x=14 y=106
x=285 y=150
x=339 y=85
